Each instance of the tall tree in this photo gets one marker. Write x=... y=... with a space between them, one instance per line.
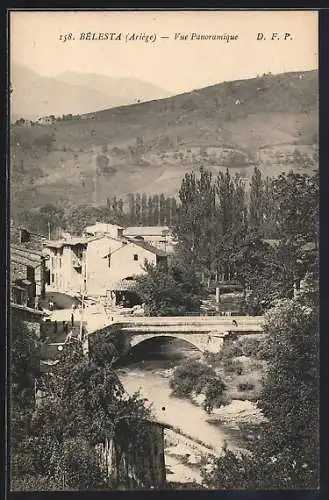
x=256 y=206
x=144 y=210
x=297 y=199
x=132 y=208
x=225 y=207
x=162 y=209
x=138 y=208
x=150 y=211
x=168 y=218
x=156 y=211
x=270 y=229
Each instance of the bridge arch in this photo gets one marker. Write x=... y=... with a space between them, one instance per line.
x=202 y=342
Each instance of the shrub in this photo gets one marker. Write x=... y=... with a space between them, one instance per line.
x=231 y=349
x=250 y=346
x=190 y=376
x=246 y=386
x=233 y=366
x=194 y=376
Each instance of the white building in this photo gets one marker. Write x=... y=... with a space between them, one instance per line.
x=158 y=236
x=102 y=228
x=96 y=264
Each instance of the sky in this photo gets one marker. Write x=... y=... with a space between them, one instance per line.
x=174 y=65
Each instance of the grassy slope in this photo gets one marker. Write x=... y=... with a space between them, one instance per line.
x=263 y=120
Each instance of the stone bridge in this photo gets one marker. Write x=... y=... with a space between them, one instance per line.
x=206 y=333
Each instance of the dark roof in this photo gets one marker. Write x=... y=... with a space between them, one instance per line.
x=30 y=252
x=25 y=261
x=24 y=256
x=27 y=309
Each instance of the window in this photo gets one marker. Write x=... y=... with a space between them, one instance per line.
x=52 y=278
x=135 y=256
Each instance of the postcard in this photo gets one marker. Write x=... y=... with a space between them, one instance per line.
x=164 y=234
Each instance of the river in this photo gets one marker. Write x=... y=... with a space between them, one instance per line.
x=148 y=370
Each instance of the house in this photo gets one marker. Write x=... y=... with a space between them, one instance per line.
x=158 y=236
x=46 y=120
x=32 y=318
x=102 y=228
x=27 y=276
x=95 y=264
x=133 y=464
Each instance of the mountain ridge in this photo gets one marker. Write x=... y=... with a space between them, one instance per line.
x=36 y=95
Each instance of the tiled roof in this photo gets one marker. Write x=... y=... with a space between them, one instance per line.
x=27 y=309
x=25 y=250
x=25 y=257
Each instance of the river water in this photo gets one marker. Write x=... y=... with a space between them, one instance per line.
x=148 y=371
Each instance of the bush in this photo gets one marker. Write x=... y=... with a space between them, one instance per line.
x=231 y=349
x=250 y=346
x=246 y=386
x=190 y=376
x=197 y=377
x=233 y=366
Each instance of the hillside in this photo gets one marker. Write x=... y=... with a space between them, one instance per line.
x=270 y=121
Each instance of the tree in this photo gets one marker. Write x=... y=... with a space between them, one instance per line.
x=169 y=292
x=144 y=210
x=162 y=209
x=297 y=199
x=168 y=214
x=286 y=455
x=132 y=208
x=269 y=215
x=256 y=201
x=24 y=368
x=150 y=210
x=156 y=212
x=85 y=405
x=196 y=225
x=138 y=208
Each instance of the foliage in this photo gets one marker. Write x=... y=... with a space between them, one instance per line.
x=286 y=455
x=171 y=291
x=24 y=368
x=105 y=348
x=246 y=386
x=233 y=366
x=221 y=241
x=84 y=404
x=297 y=200
x=43 y=464
x=290 y=396
x=196 y=377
